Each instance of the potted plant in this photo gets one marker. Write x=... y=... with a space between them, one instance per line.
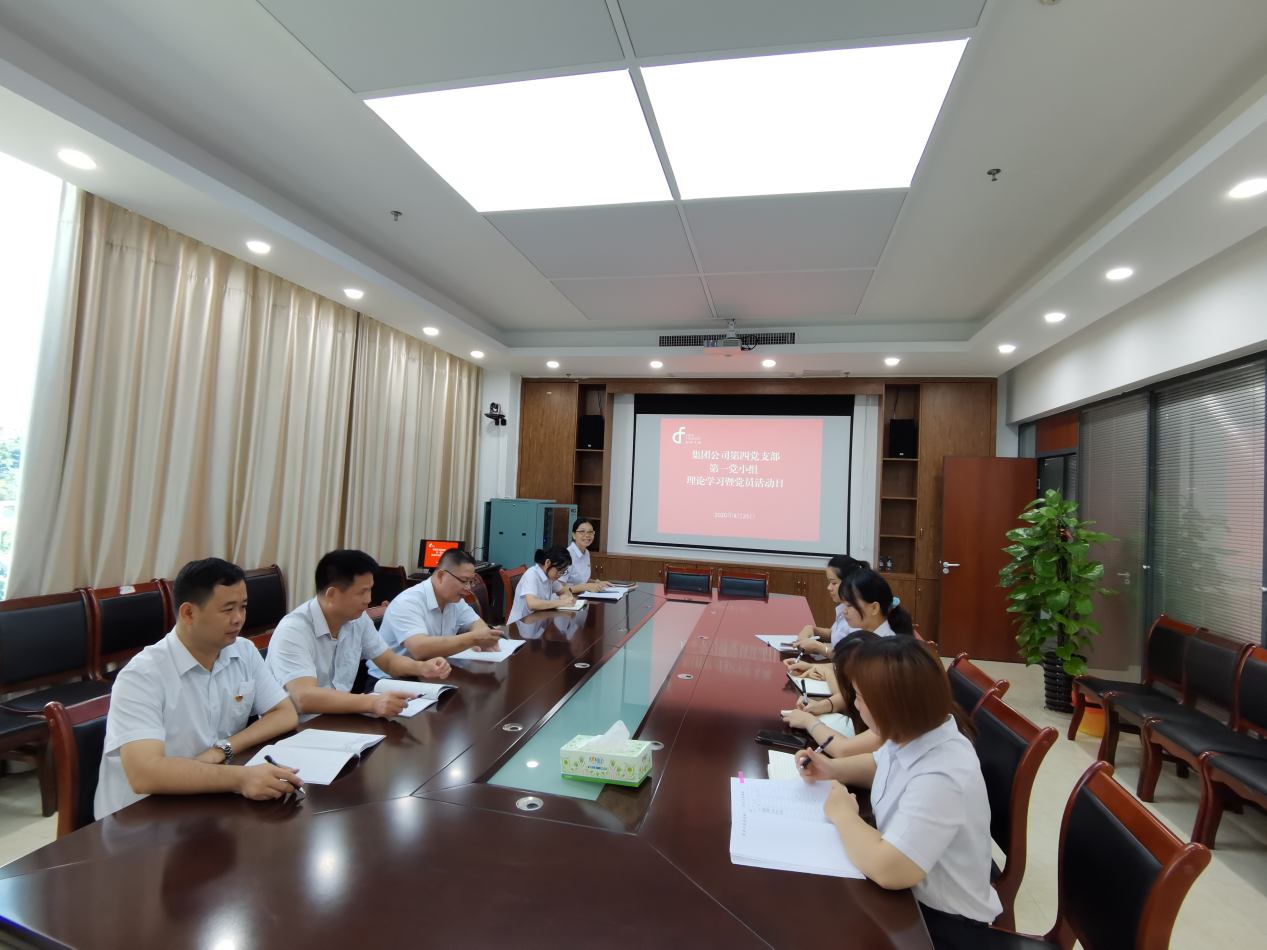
x=1051 y=582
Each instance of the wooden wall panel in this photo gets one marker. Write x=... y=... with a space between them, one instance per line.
x=955 y=419
x=547 y=440
x=1057 y=433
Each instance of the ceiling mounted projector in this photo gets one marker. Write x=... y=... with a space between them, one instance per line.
x=726 y=345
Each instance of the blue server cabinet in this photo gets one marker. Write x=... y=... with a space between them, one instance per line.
x=514 y=528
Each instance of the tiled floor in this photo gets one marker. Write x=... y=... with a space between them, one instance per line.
x=1226 y=909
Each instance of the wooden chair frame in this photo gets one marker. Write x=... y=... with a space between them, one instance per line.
x=966 y=668
x=763 y=576
x=1081 y=691
x=510 y=583
x=1158 y=749
x=260 y=634
x=1039 y=741
x=471 y=598
x=98 y=594
x=1181 y=864
x=61 y=720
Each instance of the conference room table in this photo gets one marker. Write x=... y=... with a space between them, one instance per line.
x=421 y=841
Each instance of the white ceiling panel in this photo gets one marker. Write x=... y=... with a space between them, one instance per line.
x=665 y=27
x=387 y=44
x=793 y=232
x=615 y=241
x=638 y=300
x=805 y=295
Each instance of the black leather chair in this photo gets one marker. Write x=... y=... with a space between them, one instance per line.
x=1011 y=749
x=477 y=597
x=1122 y=874
x=688 y=580
x=78 y=737
x=389 y=582
x=969 y=683
x=743 y=584
x=1209 y=673
x=129 y=619
x=1163 y=666
x=266 y=604
x=48 y=644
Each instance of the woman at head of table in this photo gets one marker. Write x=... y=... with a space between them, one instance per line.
x=821 y=640
x=539 y=587
x=577 y=578
x=932 y=815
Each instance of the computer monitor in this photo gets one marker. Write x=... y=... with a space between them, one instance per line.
x=430 y=552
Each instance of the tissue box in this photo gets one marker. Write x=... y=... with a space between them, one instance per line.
x=629 y=767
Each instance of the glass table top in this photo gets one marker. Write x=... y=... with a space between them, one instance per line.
x=622 y=688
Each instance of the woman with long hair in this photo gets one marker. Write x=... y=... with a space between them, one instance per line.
x=932 y=815
x=851 y=737
x=870 y=605
x=821 y=640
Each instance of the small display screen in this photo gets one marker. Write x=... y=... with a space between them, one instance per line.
x=430 y=552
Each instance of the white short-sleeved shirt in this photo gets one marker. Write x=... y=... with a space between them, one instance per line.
x=840 y=627
x=930 y=803
x=416 y=610
x=535 y=582
x=302 y=646
x=579 y=572
x=164 y=693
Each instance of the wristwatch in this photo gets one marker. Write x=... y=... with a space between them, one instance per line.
x=224 y=746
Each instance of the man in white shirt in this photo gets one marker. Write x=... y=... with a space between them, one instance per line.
x=178 y=710
x=317 y=648
x=432 y=620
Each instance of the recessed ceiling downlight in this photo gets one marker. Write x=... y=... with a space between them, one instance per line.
x=1054 y=317
x=430 y=331
x=1120 y=273
x=478 y=354
x=656 y=364
x=553 y=364
x=1007 y=348
x=891 y=361
x=1248 y=189
x=76 y=158
x=353 y=293
x=259 y=247
x=767 y=363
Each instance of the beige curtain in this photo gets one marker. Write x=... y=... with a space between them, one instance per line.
x=413 y=451
x=188 y=404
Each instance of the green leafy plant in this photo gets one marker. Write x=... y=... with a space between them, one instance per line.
x=1051 y=582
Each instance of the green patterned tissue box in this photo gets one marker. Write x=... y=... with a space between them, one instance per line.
x=629 y=767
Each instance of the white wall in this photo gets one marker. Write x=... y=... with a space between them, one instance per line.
x=499 y=445
x=1214 y=312
x=866 y=427
x=1006 y=435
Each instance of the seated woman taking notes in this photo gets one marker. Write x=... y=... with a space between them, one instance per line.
x=932 y=816
x=540 y=587
x=830 y=741
x=577 y=577
x=838 y=570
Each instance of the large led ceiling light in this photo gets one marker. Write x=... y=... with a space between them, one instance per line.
x=544 y=143
x=839 y=120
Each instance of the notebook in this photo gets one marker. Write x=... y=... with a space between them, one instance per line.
x=570 y=608
x=505 y=649
x=617 y=593
x=811 y=689
x=782 y=767
x=779 y=643
x=425 y=694
x=781 y=825
x=330 y=741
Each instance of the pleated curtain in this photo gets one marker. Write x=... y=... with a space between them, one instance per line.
x=413 y=450
x=187 y=404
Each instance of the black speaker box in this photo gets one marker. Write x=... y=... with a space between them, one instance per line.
x=589 y=432
x=902 y=441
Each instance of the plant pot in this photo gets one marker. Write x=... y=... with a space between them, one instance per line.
x=1057 y=684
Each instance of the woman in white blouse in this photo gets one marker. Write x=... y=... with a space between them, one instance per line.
x=811 y=639
x=578 y=575
x=932 y=815
x=539 y=587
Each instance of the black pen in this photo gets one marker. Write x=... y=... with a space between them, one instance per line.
x=825 y=744
x=299 y=789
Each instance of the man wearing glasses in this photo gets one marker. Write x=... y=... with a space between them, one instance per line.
x=432 y=620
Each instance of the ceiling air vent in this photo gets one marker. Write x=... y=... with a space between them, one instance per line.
x=749 y=339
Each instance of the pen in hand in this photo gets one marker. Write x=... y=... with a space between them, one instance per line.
x=299 y=789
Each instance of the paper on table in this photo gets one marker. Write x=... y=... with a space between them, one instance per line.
x=426 y=690
x=611 y=593
x=505 y=648
x=815 y=689
x=781 y=825
x=570 y=608
x=782 y=767
x=315 y=766
x=330 y=741
x=779 y=643
x=415 y=706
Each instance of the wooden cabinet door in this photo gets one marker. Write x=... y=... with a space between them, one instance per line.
x=785 y=582
x=954 y=419
x=547 y=440
x=984 y=497
x=617 y=568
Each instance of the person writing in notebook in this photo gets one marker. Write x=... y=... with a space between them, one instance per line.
x=317 y=648
x=179 y=709
x=932 y=815
x=431 y=619
x=540 y=588
x=821 y=640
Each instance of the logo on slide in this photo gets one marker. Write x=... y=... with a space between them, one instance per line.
x=677 y=436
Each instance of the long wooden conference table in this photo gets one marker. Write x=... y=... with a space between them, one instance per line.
x=422 y=843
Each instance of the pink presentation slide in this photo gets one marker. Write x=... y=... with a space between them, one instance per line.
x=741 y=477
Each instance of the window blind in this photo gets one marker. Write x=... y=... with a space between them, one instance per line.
x=1207 y=565
x=1113 y=457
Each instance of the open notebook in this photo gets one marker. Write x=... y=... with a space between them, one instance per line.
x=781 y=825
x=425 y=694
x=811 y=689
x=318 y=755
